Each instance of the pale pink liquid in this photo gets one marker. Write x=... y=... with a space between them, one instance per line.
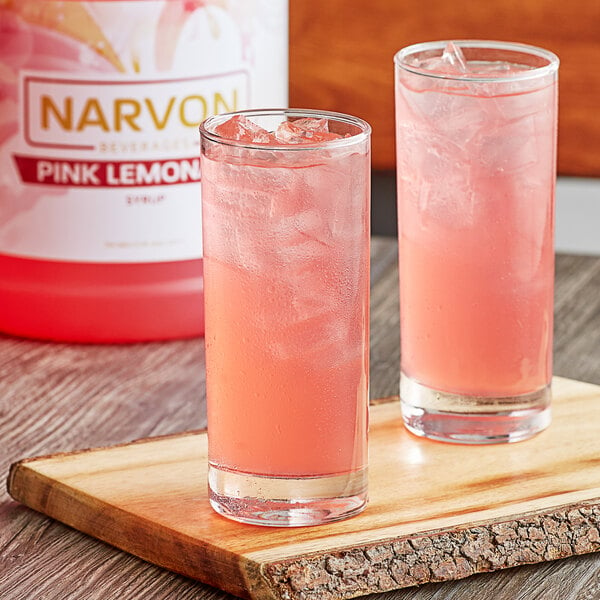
x=286 y=265
x=476 y=190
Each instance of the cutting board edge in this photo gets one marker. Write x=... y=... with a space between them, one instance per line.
x=217 y=566
x=339 y=573
x=439 y=554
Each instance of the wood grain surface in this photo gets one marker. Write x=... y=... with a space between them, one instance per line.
x=341 y=54
x=58 y=397
x=437 y=512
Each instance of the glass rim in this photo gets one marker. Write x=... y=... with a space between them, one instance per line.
x=533 y=73
x=362 y=135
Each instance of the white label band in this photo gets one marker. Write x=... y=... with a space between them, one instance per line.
x=99 y=142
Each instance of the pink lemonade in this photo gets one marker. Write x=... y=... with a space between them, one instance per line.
x=286 y=267
x=476 y=174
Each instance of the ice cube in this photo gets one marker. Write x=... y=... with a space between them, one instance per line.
x=453 y=57
x=305 y=130
x=242 y=129
x=451 y=62
x=312 y=124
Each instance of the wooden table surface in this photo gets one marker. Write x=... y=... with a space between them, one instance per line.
x=58 y=397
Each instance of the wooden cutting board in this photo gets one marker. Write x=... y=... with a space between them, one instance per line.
x=436 y=511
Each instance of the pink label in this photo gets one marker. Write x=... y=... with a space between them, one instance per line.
x=73 y=173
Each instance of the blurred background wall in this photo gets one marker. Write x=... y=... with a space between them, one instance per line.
x=341 y=54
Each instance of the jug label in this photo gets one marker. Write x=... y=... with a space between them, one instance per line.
x=101 y=103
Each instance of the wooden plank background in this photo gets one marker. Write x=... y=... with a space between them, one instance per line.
x=341 y=58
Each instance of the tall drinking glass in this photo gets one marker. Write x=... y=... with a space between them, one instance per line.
x=476 y=166
x=285 y=199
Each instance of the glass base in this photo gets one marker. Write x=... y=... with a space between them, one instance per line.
x=462 y=419
x=286 y=502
